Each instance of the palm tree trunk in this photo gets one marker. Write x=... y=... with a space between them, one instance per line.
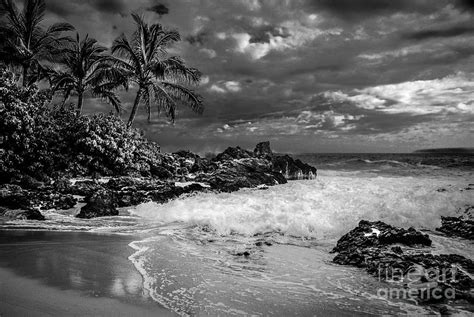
x=25 y=75
x=135 y=108
x=79 y=103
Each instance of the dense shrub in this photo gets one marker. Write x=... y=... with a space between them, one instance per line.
x=37 y=141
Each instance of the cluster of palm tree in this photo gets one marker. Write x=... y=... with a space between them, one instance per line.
x=77 y=66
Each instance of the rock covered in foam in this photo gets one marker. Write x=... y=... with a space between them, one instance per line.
x=401 y=257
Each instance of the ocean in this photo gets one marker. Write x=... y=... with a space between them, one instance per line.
x=266 y=252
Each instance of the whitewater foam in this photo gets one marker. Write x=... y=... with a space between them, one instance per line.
x=322 y=208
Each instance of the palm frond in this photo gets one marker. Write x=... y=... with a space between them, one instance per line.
x=60 y=27
x=174 y=68
x=108 y=96
x=185 y=95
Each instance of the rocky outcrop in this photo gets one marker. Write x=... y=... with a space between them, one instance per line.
x=263 y=150
x=402 y=258
x=15 y=197
x=293 y=169
x=282 y=164
x=231 y=175
x=231 y=170
x=458 y=227
x=461 y=226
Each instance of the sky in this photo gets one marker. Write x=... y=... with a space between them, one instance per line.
x=309 y=75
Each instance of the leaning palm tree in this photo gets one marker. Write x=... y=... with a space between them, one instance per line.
x=160 y=79
x=25 y=43
x=84 y=69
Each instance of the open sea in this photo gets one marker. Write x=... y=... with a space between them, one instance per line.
x=266 y=252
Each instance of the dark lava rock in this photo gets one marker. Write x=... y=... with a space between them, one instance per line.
x=406 y=266
x=238 y=168
x=234 y=153
x=18 y=214
x=457 y=226
x=233 y=175
x=263 y=150
x=372 y=234
x=85 y=187
x=15 y=197
x=293 y=169
x=160 y=172
x=99 y=204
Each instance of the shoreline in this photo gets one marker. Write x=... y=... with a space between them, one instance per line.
x=47 y=273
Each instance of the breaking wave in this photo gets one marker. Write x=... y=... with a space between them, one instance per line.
x=322 y=208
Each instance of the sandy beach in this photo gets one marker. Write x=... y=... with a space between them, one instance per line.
x=70 y=273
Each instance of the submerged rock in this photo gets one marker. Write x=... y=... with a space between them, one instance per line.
x=401 y=257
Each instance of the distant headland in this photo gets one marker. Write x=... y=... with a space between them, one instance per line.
x=464 y=150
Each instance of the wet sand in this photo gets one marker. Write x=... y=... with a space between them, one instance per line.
x=70 y=273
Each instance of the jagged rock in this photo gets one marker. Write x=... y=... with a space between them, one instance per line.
x=233 y=169
x=371 y=246
x=85 y=187
x=231 y=175
x=293 y=169
x=372 y=234
x=233 y=153
x=263 y=150
x=457 y=226
x=99 y=204
x=15 y=197
x=160 y=172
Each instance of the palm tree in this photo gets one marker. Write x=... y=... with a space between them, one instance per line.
x=85 y=68
x=160 y=79
x=25 y=42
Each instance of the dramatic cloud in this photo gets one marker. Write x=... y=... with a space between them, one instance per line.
x=310 y=75
x=448 y=32
x=159 y=9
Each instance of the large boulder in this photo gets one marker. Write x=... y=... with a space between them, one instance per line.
x=99 y=204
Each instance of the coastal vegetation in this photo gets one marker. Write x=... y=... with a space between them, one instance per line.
x=75 y=66
x=43 y=135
